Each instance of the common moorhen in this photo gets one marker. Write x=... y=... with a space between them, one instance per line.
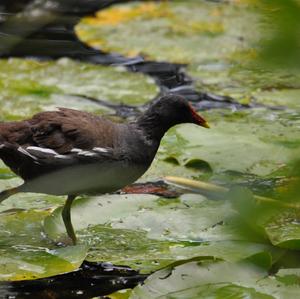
x=70 y=152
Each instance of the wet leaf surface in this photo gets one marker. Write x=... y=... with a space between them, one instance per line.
x=283 y=229
x=234 y=136
x=217 y=280
x=219 y=42
x=27 y=254
x=44 y=85
x=247 y=147
x=185 y=30
x=147 y=232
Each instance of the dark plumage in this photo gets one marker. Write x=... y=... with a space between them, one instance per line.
x=70 y=152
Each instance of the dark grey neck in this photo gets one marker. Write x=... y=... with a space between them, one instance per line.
x=153 y=126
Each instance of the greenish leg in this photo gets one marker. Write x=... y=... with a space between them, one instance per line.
x=66 y=215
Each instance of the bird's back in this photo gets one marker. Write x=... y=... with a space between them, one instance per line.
x=59 y=131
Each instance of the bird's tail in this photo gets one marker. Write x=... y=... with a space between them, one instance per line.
x=7 y=193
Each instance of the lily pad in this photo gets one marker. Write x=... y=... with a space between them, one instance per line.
x=238 y=141
x=214 y=280
x=176 y=221
x=162 y=166
x=289 y=276
x=283 y=229
x=179 y=31
x=278 y=219
x=41 y=85
x=205 y=279
x=141 y=232
x=280 y=97
x=218 y=40
x=246 y=83
x=27 y=254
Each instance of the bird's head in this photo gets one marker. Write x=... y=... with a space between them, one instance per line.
x=174 y=109
x=168 y=111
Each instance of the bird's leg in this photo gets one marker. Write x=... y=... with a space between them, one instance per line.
x=7 y=193
x=66 y=215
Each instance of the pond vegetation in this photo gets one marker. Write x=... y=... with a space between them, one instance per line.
x=202 y=244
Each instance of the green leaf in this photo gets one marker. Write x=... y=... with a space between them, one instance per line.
x=289 y=276
x=25 y=253
x=29 y=86
x=213 y=38
x=283 y=229
x=179 y=31
x=202 y=280
x=140 y=231
x=216 y=280
x=233 y=137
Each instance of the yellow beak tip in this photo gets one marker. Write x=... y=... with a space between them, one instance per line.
x=206 y=125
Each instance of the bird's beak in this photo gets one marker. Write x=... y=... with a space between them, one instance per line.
x=198 y=120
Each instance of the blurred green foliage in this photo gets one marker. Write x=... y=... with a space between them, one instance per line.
x=281 y=41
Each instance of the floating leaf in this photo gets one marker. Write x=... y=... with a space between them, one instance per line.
x=178 y=31
x=213 y=37
x=140 y=231
x=205 y=279
x=283 y=229
x=233 y=137
x=41 y=85
x=27 y=254
x=214 y=280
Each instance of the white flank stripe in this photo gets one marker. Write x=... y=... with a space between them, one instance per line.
x=87 y=154
x=100 y=149
x=36 y=149
x=76 y=150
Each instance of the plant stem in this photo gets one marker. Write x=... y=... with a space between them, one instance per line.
x=200 y=186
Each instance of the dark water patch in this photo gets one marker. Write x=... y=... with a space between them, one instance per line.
x=92 y=279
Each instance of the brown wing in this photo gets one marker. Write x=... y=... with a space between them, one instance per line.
x=60 y=130
x=67 y=128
